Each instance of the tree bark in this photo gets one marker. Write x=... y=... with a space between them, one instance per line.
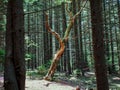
x=14 y=58
x=118 y=2
x=46 y=43
x=67 y=66
x=62 y=43
x=98 y=44
x=75 y=28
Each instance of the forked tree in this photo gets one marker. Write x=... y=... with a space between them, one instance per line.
x=62 y=41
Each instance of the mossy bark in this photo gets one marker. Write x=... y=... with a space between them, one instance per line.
x=61 y=50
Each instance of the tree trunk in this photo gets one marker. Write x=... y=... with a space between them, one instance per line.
x=107 y=49
x=77 y=65
x=98 y=44
x=46 y=43
x=81 y=54
x=118 y=2
x=62 y=43
x=50 y=36
x=1 y=30
x=111 y=40
x=67 y=66
x=14 y=59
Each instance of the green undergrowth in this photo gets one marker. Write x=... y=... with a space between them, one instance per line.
x=82 y=81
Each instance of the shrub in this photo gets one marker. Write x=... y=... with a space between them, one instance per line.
x=77 y=72
x=42 y=70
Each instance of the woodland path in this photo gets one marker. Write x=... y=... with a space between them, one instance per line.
x=46 y=85
x=43 y=85
x=38 y=84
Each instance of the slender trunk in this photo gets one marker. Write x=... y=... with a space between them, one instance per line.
x=106 y=39
x=118 y=2
x=46 y=56
x=1 y=29
x=75 y=28
x=64 y=25
x=67 y=66
x=50 y=36
x=111 y=39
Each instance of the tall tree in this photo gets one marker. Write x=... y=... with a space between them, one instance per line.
x=118 y=2
x=45 y=35
x=106 y=34
x=67 y=66
x=2 y=21
x=111 y=38
x=50 y=36
x=80 y=40
x=62 y=42
x=75 y=27
x=14 y=58
x=98 y=44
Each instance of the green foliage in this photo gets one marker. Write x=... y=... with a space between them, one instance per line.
x=28 y=56
x=2 y=52
x=30 y=43
x=2 y=22
x=30 y=1
x=2 y=55
x=42 y=70
x=58 y=2
x=33 y=74
x=30 y=73
x=47 y=65
x=77 y=72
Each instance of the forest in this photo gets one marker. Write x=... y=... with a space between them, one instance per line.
x=59 y=44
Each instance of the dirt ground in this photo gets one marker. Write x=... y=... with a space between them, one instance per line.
x=63 y=84
x=42 y=85
x=46 y=85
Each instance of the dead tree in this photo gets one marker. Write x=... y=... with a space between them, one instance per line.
x=62 y=42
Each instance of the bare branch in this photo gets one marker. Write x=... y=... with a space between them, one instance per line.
x=68 y=11
x=52 y=32
x=80 y=10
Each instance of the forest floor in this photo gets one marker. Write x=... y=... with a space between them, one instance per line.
x=47 y=85
x=36 y=84
x=66 y=83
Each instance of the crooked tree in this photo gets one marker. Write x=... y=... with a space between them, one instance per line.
x=62 y=41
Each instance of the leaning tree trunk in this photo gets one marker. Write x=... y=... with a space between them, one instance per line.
x=14 y=58
x=98 y=44
x=62 y=43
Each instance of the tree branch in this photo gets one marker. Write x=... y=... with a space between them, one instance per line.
x=53 y=32
x=68 y=11
x=61 y=41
